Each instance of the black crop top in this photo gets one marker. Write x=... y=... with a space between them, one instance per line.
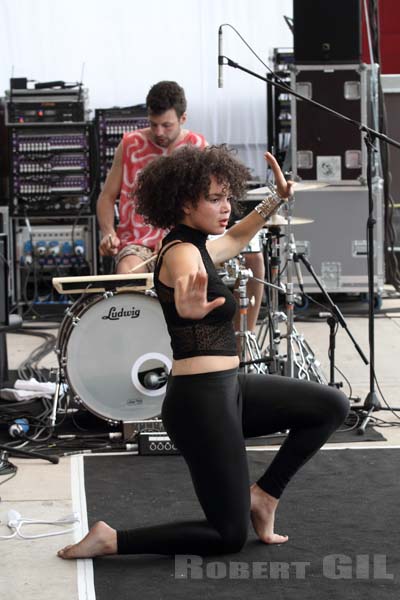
x=213 y=335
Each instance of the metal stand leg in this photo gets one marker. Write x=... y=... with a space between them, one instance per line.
x=250 y=354
x=270 y=325
x=333 y=325
x=56 y=398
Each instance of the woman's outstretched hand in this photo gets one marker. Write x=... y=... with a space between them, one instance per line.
x=284 y=188
x=191 y=296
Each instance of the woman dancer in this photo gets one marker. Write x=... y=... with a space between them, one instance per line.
x=210 y=407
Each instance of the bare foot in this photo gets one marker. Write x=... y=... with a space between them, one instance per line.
x=263 y=507
x=100 y=540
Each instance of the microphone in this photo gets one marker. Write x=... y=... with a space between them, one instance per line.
x=297 y=264
x=153 y=380
x=220 y=58
x=19 y=428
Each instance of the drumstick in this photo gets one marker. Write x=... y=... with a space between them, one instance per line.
x=110 y=239
x=143 y=263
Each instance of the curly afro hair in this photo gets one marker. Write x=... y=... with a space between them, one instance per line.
x=168 y=182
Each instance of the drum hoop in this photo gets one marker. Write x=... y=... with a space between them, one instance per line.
x=82 y=305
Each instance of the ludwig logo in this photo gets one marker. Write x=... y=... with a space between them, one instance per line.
x=115 y=314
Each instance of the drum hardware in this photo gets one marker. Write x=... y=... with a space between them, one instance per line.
x=152 y=293
x=97 y=284
x=250 y=353
x=299 y=359
x=290 y=304
x=272 y=259
x=248 y=343
x=56 y=399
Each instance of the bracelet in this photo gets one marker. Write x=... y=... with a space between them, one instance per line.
x=268 y=206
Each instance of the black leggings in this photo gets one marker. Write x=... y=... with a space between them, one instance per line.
x=208 y=417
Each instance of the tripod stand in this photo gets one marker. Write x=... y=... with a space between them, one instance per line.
x=336 y=314
x=299 y=360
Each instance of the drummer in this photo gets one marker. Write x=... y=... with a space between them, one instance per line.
x=134 y=242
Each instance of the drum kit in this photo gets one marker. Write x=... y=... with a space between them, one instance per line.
x=263 y=352
x=113 y=347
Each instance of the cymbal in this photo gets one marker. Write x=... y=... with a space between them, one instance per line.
x=299 y=186
x=262 y=191
x=279 y=221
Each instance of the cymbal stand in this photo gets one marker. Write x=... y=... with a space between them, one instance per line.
x=299 y=360
x=250 y=355
x=272 y=257
x=289 y=366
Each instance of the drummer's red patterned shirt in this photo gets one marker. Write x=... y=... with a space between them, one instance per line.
x=137 y=151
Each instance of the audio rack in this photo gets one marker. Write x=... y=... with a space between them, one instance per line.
x=51 y=170
x=50 y=191
x=110 y=124
x=46 y=247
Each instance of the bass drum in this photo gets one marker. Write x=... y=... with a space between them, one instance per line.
x=116 y=355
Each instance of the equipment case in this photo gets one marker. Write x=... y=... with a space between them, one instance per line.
x=325 y=147
x=336 y=242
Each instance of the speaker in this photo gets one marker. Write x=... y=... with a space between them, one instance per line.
x=327 y=31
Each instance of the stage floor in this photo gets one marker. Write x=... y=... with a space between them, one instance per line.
x=30 y=568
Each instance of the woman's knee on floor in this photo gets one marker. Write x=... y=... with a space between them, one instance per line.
x=234 y=537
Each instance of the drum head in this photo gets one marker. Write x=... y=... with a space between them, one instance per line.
x=117 y=356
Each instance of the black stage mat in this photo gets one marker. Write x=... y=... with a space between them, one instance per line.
x=341 y=513
x=339 y=437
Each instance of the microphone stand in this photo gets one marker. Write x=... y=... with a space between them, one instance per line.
x=29 y=454
x=371 y=402
x=337 y=317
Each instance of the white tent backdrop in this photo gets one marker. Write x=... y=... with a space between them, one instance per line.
x=119 y=48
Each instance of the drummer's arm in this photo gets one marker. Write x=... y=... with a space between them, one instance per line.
x=106 y=202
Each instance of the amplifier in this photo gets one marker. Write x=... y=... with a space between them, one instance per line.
x=155 y=444
x=36 y=106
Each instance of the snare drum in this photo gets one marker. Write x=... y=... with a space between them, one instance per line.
x=115 y=353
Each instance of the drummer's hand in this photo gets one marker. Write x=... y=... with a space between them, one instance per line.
x=284 y=188
x=191 y=297
x=109 y=245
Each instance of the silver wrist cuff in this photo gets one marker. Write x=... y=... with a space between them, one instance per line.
x=268 y=206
